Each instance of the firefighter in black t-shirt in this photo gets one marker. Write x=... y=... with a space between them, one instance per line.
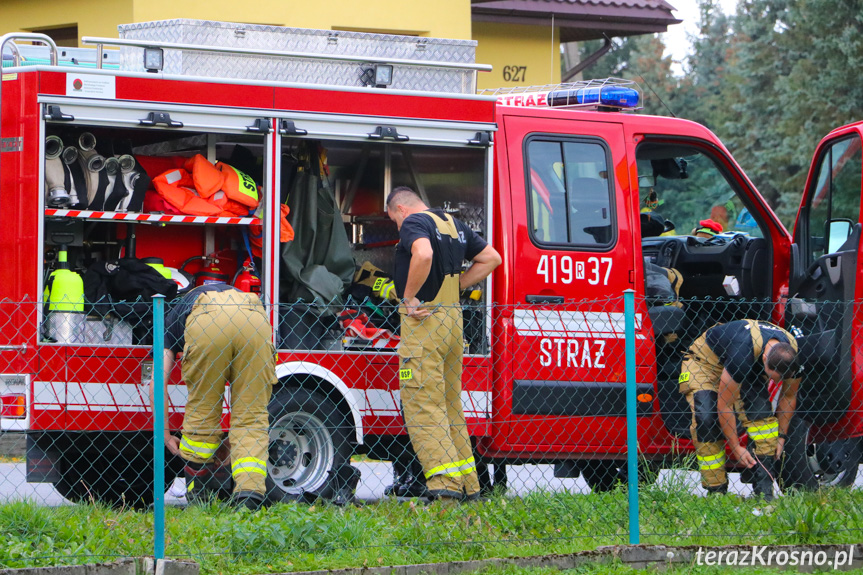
x=428 y=279
x=727 y=370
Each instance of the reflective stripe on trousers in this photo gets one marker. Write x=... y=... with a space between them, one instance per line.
x=711 y=461
x=249 y=465
x=454 y=469
x=198 y=448
x=763 y=432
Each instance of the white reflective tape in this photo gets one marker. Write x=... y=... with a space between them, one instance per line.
x=605 y=325
x=384 y=402
x=48 y=392
x=121 y=397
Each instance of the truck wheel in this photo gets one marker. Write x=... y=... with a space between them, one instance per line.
x=835 y=463
x=795 y=471
x=600 y=474
x=809 y=466
x=310 y=441
x=112 y=480
x=606 y=474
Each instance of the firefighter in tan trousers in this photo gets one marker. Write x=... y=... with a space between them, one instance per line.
x=225 y=336
x=726 y=371
x=432 y=247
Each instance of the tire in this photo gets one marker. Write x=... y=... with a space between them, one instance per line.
x=310 y=441
x=606 y=474
x=808 y=466
x=109 y=479
x=831 y=471
x=491 y=481
x=600 y=474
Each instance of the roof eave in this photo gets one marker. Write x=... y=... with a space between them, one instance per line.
x=578 y=21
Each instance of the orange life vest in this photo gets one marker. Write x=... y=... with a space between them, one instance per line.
x=256 y=230
x=239 y=187
x=208 y=180
x=178 y=189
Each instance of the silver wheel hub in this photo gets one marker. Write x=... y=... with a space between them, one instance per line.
x=301 y=453
x=825 y=477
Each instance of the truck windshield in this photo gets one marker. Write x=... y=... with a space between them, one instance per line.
x=685 y=188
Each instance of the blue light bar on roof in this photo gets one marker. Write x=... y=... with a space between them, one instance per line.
x=611 y=96
x=602 y=95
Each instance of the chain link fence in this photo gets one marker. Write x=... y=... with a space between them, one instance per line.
x=516 y=439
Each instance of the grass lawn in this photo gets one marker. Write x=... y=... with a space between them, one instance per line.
x=618 y=568
x=294 y=537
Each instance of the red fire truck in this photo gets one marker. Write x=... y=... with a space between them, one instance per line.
x=564 y=181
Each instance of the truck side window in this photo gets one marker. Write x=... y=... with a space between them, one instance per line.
x=687 y=186
x=570 y=195
x=836 y=195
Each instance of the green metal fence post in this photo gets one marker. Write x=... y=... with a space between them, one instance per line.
x=631 y=421
x=158 y=427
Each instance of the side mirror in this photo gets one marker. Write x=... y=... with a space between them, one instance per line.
x=838 y=232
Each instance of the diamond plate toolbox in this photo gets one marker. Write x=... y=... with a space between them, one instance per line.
x=309 y=68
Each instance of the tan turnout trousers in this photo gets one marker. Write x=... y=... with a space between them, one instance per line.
x=701 y=370
x=228 y=338
x=431 y=352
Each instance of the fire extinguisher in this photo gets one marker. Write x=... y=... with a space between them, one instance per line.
x=211 y=273
x=246 y=280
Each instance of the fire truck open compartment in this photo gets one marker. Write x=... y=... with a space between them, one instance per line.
x=172 y=241
x=356 y=173
x=93 y=234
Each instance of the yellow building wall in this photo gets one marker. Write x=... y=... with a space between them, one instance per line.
x=520 y=55
x=439 y=19
x=93 y=17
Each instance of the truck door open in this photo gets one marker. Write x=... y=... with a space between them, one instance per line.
x=570 y=250
x=825 y=281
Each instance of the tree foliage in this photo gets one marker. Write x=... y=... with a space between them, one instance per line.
x=770 y=81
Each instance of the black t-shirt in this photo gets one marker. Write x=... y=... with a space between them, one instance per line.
x=180 y=308
x=448 y=253
x=732 y=343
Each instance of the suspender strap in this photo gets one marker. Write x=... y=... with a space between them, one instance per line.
x=445 y=226
x=448 y=294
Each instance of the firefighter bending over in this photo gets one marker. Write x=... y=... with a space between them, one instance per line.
x=727 y=370
x=428 y=279
x=224 y=335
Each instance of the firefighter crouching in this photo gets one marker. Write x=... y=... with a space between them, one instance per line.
x=727 y=370
x=428 y=278
x=224 y=335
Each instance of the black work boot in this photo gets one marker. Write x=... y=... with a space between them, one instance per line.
x=251 y=500
x=205 y=481
x=198 y=477
x=446 y=497
x=398 y=471
x=409 y=480
x=762 y=477
x=474 y=497
x=717 y=489
x=346 y=479
x=221 y=482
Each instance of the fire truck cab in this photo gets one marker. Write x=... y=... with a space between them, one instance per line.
x=583 y=198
